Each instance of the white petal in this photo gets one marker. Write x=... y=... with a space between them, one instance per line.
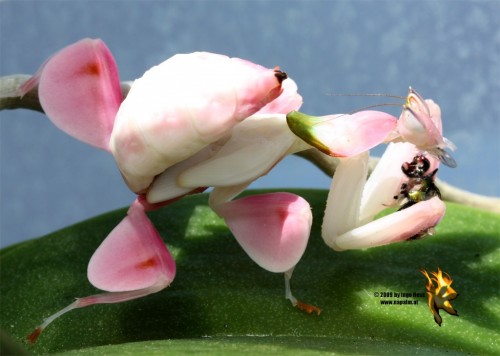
x=221 y=195
x=344 y=198
x=165 y=186
x=385 y=181
x=255 y=146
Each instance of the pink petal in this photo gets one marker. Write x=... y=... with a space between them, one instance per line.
x=131 y=263
x=273 y=229
x=416 y=125
x=182 y=105
x=398 y=226
x=343 y=135
x=289 y=100
x=420 y=124
x=79 y=90
x=132 y=257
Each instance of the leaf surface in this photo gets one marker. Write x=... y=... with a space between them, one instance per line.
x=222 y=303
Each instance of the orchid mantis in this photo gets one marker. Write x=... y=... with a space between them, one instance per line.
x=205 y=120
x=179 y=113
x=351 y=224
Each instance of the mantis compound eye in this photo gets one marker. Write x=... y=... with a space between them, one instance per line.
x=280 y=75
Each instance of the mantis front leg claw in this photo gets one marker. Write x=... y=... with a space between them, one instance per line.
x=352 y=226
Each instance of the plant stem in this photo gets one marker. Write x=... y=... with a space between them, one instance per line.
x=11 y=99
x=448 y=192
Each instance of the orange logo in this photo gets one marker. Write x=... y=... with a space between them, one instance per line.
x=439 y=294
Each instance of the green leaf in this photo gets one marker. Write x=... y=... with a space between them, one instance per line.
x=223 y=303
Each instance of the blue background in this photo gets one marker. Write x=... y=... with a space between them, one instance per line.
x=446 y=50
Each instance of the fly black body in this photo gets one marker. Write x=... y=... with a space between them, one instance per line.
x=420 y=186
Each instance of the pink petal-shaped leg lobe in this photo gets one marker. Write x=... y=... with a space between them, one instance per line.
x=343 y=135
x=132 y=262
x=273 y=228
x=132 y=257
x=79 y=90
x=407 y=224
